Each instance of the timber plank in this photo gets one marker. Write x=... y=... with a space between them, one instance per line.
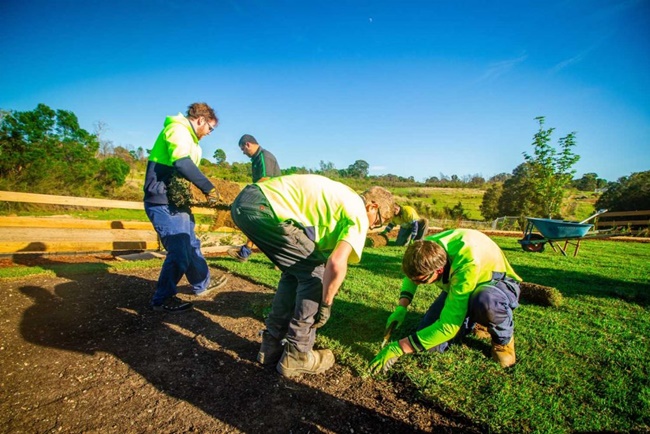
x=74 y=240
x=49 y=199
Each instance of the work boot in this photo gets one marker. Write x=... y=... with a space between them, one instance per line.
x=481 y=332
x=504 y=354
x=294 y=362
x=271 y=349
x=172 y=305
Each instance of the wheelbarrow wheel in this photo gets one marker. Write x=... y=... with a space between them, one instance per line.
x=533 y=247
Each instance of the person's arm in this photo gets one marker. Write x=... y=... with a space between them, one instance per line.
x=462 y=284
x=272 y=166
x=191 y=172
x=414 y=230
x=335 y=271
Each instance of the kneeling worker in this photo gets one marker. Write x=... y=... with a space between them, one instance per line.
x=479 y=287
x=411 y=226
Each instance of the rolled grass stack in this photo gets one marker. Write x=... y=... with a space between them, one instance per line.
x=376 y=240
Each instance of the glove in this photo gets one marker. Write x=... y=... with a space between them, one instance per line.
x=323 y=314
x=213 y=197
x=397 y=316
x=386 y=358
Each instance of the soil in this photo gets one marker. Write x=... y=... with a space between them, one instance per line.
x=82 y=353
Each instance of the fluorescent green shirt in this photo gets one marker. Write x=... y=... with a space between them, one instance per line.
x=406 y=216
x=177 y=140
x=473 y=257
x=329 y=210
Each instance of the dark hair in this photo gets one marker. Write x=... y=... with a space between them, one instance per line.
x=422 y=258
x=201 y=109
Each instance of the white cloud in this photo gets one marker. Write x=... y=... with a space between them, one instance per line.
x=496 y=70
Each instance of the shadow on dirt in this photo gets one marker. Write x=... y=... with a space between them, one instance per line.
x=191 y=357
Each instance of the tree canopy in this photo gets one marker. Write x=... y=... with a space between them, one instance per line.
x=629 y=193
x=45 y=150
x=537 y=186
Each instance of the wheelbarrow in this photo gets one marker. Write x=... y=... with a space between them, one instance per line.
x=554 y=232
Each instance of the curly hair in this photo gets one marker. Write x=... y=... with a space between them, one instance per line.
x=383 y=198
x=422 y=258
x=201 y=109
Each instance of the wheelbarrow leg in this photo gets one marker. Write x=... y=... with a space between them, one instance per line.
x=562 y=249
x=558 y=247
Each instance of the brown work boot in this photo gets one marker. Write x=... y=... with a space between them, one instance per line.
x=481 y=332
x=271 y=349
x=294 y=362
x=504 y=354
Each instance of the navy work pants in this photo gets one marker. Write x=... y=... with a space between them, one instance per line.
x=490 y=305
x=175 y=227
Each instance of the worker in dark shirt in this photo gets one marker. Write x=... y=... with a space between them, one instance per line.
x=265 y=166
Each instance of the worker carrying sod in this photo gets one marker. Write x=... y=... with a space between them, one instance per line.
x=479 y=288
x=310 y=227
x=411 y=226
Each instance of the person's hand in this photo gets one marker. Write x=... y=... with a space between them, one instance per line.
x=213 y=197
x=386 y=358
x=397 y=316
x=323 y=314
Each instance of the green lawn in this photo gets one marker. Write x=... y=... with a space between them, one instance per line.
x=583 y=367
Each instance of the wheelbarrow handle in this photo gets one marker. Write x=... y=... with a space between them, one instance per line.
x=600 y=211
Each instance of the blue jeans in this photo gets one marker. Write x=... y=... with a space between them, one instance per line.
x=175 y=227
x=290 y=247
x=490 y=305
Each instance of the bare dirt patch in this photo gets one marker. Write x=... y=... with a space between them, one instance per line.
x=82 y=353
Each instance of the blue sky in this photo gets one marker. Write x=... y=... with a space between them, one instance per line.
x=415 y=88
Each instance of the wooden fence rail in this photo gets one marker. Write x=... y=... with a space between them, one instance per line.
x=62 y=234
x=634 y=221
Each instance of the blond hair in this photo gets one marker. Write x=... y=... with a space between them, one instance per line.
x=383 y=198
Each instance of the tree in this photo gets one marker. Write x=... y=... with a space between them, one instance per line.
x=550 y=169
x=490 y=203
x=589 y=182
x=501 y=177
x=45 y=150
x=219 y=156
x=519 y=196
x=629 y=193
x=359 y=169
x=457 y=212
x=112 y=173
